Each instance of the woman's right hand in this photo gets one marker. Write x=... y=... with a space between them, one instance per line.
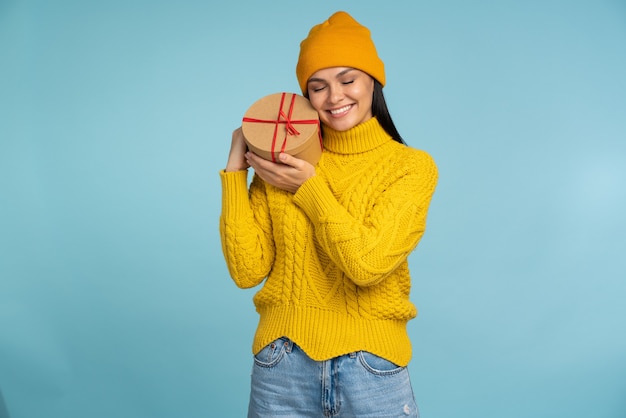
x=237 y=156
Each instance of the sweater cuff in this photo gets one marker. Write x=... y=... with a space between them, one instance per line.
x=315 y=199
x=234 y=185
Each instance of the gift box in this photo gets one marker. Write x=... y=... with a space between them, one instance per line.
x=283 y=122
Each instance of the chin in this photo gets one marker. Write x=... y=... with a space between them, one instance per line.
x=341 y=126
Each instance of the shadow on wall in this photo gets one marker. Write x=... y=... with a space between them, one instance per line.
x=4 y=412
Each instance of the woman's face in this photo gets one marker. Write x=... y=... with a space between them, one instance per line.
x=342 y=96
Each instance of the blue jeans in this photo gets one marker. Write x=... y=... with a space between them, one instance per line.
x=287 y=383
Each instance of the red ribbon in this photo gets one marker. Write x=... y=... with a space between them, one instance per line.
x=288 y=122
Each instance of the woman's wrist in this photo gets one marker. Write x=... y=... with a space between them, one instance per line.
x=231 y=168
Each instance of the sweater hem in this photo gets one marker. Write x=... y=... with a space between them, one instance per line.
x=324 y=334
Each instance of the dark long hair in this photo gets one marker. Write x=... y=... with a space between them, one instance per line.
x=380 y=111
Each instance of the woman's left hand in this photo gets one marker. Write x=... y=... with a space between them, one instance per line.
x=287 y=174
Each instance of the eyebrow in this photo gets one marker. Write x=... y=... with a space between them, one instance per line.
x=344 y=72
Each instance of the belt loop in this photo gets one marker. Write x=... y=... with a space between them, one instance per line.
x=352 y=354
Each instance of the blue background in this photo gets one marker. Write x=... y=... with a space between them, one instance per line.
x=115 y=118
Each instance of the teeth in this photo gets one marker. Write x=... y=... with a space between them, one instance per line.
x=340 y=110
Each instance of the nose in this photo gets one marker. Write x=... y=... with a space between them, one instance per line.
x=335 y=94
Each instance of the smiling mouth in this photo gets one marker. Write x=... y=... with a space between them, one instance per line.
x=341 y=110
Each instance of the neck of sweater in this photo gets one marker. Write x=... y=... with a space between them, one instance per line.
x=361 y=138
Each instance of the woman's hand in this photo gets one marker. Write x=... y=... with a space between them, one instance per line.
x=288 y=174
x=237 y=156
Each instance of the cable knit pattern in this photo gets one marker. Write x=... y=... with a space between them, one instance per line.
x=334 y=255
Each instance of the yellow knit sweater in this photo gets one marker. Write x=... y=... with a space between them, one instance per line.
x=334 y=254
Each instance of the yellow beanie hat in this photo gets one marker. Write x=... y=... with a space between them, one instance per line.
x=340 y=41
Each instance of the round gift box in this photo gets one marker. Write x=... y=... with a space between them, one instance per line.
x=283 y=122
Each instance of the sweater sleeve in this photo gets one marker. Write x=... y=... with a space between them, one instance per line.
x=368 y=250
x=245 y=229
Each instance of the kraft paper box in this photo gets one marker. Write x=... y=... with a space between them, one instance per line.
x=283 y=122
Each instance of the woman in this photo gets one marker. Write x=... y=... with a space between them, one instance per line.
x=332 y=241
